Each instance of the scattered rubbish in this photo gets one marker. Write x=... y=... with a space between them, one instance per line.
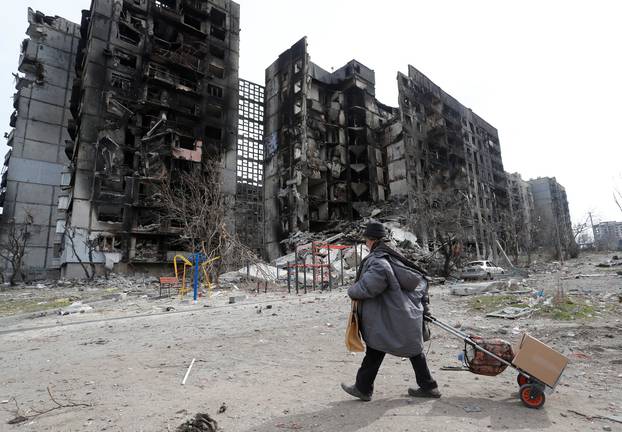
x=472 y=408
x=4 y=402
x=222 y=408
x=454 y=368
x=236 y=299
x=510 y=287
x=183 y=382
x=200 y=423
x=76 y=307
x=510 y=312
x=579 y=356
x=170 y=308
x=610 y=263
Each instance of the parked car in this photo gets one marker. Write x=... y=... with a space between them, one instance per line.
x=481 y=270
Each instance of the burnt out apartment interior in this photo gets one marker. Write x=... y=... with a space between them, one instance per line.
x=156 y=92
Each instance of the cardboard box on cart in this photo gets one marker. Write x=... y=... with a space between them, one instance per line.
x=539 y=360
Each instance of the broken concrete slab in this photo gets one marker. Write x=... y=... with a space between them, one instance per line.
x=466 y=289
x=510 y=312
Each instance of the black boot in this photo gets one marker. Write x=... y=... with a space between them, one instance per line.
x=353 y=391
x=430 y=393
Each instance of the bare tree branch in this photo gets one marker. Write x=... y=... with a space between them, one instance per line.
x=195 y=203
x=13 y=250
x=21 y=417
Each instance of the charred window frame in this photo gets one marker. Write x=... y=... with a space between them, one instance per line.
x=215 y=91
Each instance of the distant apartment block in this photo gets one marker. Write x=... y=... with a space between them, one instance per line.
x=551 y=215
x=608 y=235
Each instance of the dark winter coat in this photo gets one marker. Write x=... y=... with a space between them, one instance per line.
x=391 y=311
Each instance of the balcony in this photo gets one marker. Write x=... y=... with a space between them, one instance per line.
x=184 y=56
x=161 y=74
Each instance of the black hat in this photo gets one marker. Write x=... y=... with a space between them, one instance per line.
x=375 y=230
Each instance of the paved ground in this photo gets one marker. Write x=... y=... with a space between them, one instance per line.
x=276 y=361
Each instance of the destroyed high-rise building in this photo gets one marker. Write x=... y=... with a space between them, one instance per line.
x=156 y=92
x=32 y=177
x=552 y=216
x=522 y=213
x=332 y=149
x=324 y=155
x=450 y=149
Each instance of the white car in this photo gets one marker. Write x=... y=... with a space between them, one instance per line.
x=481 y=270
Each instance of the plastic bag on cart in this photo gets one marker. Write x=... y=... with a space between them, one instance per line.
x=481 y=363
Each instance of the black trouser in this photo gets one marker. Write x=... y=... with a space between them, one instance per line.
x=372 y=361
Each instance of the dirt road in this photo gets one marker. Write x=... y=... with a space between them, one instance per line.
x=276 y=361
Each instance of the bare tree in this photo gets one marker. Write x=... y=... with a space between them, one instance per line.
x=194 y=202
x=90 y=246
x=443 y=218
x=13 y=248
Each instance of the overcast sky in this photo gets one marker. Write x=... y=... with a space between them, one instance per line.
x=546 y=74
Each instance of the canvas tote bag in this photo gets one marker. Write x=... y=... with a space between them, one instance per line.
x=354 y=342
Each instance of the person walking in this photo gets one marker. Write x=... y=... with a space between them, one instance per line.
x=392 y=295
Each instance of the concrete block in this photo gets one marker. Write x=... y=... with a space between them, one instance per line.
x=40 y=151
x=44 y=112
x=56 y=76
x=32 y=171
x=38 y=236
x=32 y=193
x=40 y=213
x=50 y=56
x=35 y=258
x=44 y=132
x=50 y=94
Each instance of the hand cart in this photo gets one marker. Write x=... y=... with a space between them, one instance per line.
x=531 y=389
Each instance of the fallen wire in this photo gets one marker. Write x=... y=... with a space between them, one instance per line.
x=21 y=418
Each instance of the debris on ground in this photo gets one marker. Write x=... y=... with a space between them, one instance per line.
x=510 y=312
x=474 y=288
x=613 y=262
x=74 y=308
x=200 y=423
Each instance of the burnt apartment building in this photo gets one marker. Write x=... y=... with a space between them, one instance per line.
x=156 y=93
x=522 y=213
x=324 y=159
x=447 y=147
x=552 y=216
x=33 y=166
x=250 y=160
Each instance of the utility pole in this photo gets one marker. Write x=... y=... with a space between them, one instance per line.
x=592 y=224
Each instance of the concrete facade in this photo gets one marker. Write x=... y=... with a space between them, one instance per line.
x=608 y=235
x=324 y=154
x=31 y=178
x=448 y=147
x=552 y=216
x=522 y=213
x=156 y=92
x=333 y=150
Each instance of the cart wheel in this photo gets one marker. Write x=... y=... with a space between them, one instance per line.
x=531 y=396
x=522 y=380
